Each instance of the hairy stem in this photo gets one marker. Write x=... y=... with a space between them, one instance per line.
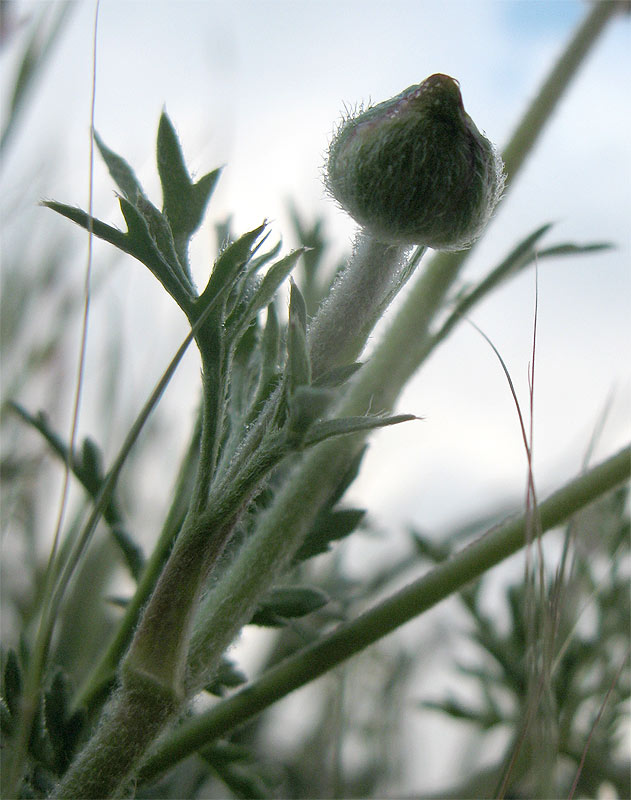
x=339 y=330
x=419 y=596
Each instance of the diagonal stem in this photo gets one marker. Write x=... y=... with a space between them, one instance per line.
x=422 y=594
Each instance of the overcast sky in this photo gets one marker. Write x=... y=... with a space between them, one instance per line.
x=259 y=86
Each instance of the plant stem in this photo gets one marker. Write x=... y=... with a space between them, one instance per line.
x=134 y=717
x=340 y=329
x=92 y=693
x=419 y=596
x=540 y=110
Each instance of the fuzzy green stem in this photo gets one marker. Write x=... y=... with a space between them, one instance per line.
x=93 y=692
x=133 y=719
x=160 y=644
x=422 y=594
x=339 y=330
x=551 y=91
x=152 y=674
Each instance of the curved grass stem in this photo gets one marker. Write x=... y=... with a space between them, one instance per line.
x=419 y=596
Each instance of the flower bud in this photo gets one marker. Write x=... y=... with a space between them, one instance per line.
x=415 y=169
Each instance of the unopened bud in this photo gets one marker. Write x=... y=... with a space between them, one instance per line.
x=415 y=169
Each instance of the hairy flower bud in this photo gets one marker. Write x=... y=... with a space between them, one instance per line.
x=415 y=169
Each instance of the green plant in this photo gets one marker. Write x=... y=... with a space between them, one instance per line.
x=283 y=420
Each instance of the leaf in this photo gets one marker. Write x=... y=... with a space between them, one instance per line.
x=90 y=465
x=265 y=291
x=142 y=245
x=288 y=602
x=122 y=174
x=298 y=362
x=132 y=553
x=6 y=720
x=101 y=229
x=328 y=528
x=229 y=268
x=242 y=783
x=137 y=242
x=347 y=425
x=270 y=345
x=39 y=743
x=183 y=202
x=454 y=708
x=573 y=249
x=522 y=255
x=89 y=472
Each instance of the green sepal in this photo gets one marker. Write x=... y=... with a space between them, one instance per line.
x=183 y=202
x=298 y=361
x=288 y=602
x=320 y=431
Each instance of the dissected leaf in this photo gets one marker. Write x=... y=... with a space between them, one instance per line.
x=143 y=246
x=183 y=202
x=64 y=725
x=264 y=293
x=306 y=405
x=89 y=471
x=122 y=174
